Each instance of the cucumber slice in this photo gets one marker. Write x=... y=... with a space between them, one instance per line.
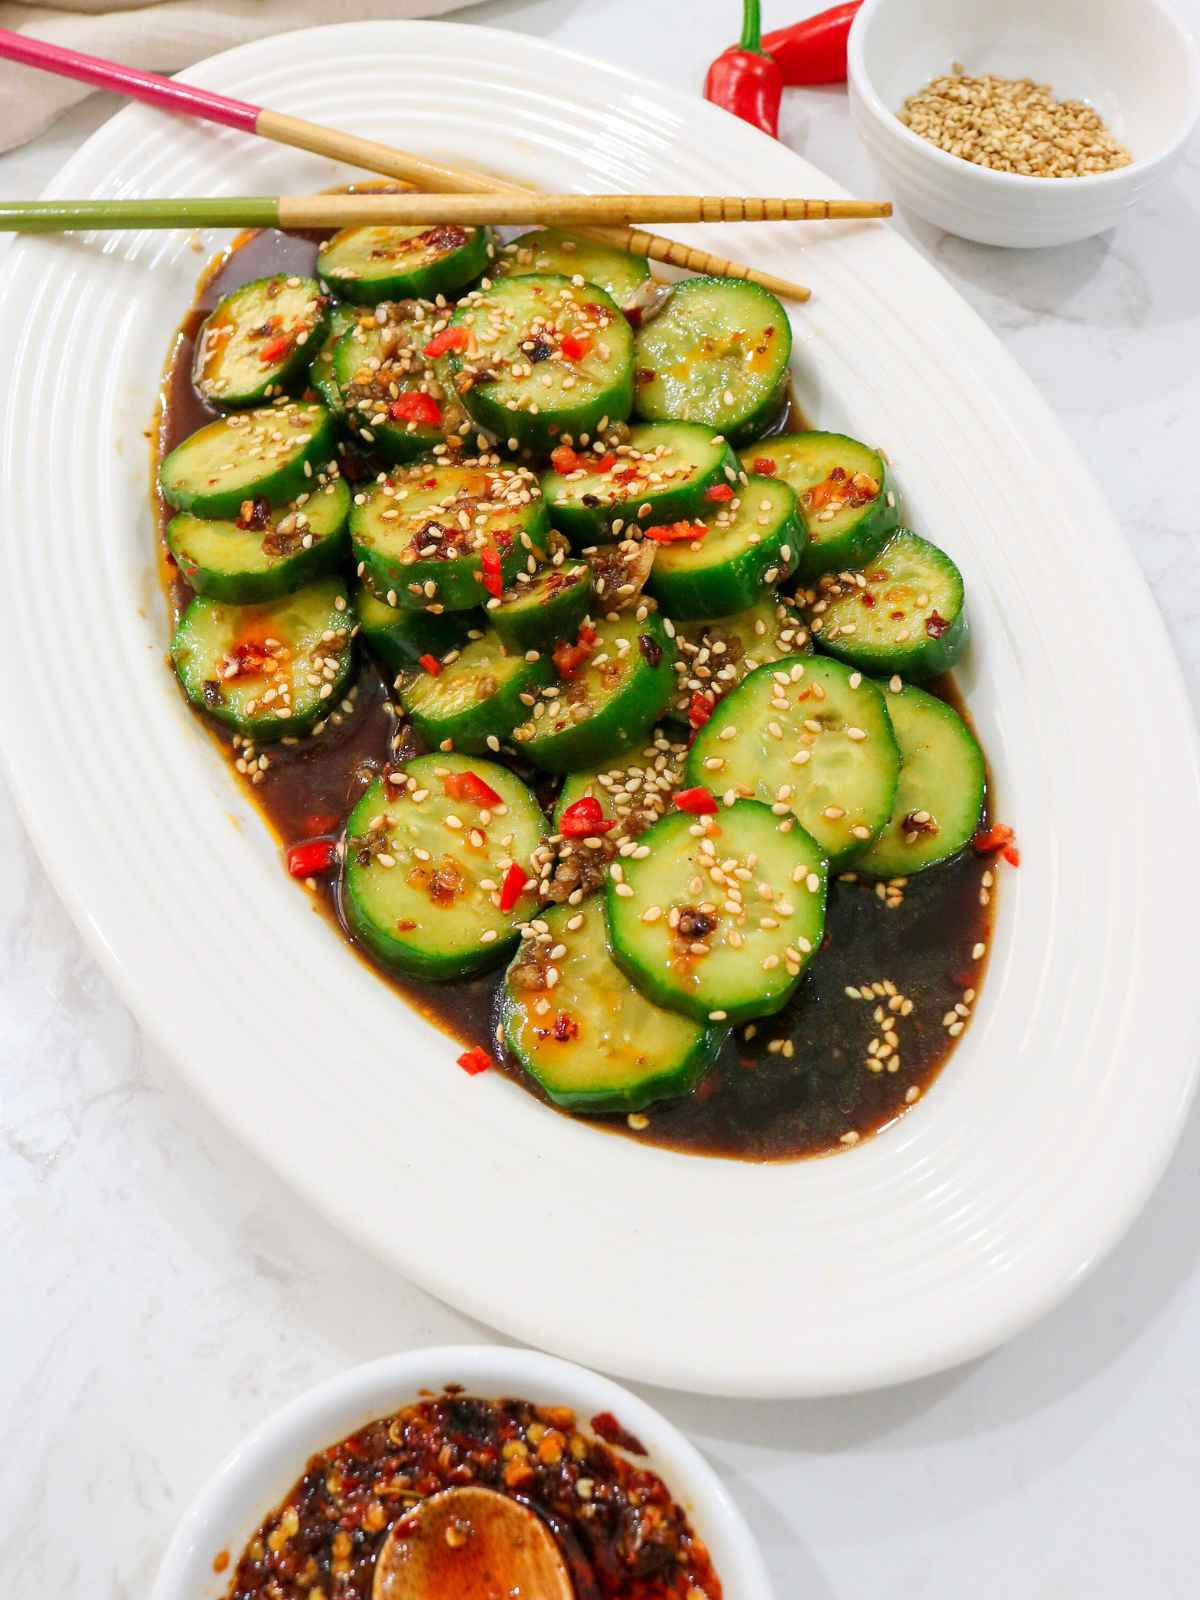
x=752 y=542
x=270 y=454
x=939 y=799
x=267 y=671
x=543 y=607
x=391 y=396
x=715 y=656
x=848 y=517
x=477 y=698
x=257 y=339
x=547 y=358
x=592 y=1041
x=320 y=373
x=807 y=733
x=569 y=255
x=423 y=870
x=904 y=613
x=265 y=553
x=719 y=922
x=398 y=638
x=662 y=473
x=633 y=793
x=717 y=353
x=610 y=702
x=370 y=263
x=419 y=534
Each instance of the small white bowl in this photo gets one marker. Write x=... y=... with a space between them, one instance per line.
x=264 y=1467
x=1133 y=60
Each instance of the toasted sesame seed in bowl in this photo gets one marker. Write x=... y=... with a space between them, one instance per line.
x=1039 y=122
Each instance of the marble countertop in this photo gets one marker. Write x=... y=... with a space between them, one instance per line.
x=163 y=1292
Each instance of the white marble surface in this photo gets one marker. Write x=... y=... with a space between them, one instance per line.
x=163 y=1292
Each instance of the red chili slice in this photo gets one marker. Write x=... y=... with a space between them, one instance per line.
x=277 y=349
x=699 y=802
x=575 y=348
x=431 y=664
x=1012 y=855
x=515 y=880
x=764 y=466
x=606 y=463
x=988 y=840
x=676 y=532
x=474 y=1061
x=493 y=579
x=700 y=708
x=448 y=339
x=415 y=406
x=563 y=459
x=584 y=817
x=719 y=491
x=470 y=786
x=316 y=855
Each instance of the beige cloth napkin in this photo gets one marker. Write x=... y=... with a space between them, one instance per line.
x=162 y=37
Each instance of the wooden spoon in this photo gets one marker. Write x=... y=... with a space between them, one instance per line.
x=474 y=1544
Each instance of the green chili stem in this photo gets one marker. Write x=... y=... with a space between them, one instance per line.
x=751 y=39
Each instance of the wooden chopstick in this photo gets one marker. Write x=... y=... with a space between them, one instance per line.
x=349 y=210
x=339 y=146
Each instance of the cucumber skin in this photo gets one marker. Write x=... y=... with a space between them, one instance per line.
x=280 y=376
x=320 y=369
x=858 y=544
x=424 y=284
x=532 y=627
x=736 y=584
x=926 y=660
x=615 y=730
x=251 y=588
x=459 y=582
x=401 y=642
x=278 y=487
x=496 y=716
x=585 y=525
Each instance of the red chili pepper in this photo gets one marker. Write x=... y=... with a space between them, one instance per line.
x=764 y=466
x=676 y=532
x=470 y=786
x=431 y=664
x=515 y=880
x=699 y=802
x=316 y=855
x=575 y=348
x=448 y=339
x=568 y=658
x=563 y=459
x=719 y=491
x=606 y=463
x=417 y=407
x=277 y=349
x=988 y=840
x=493 y=578
x=474 y=1061
x=584 y=817
x=813 y=51
x=700 y=708
x=744 y=79
x=1012 y=855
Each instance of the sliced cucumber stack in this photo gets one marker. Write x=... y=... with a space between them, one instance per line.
x=663 y=472
x=585 y=1034
x=939 y=799
x=903 y=613
x=716 y=353
x=271 y=454
x=371 y=263
x=448 y=537
x=267 y=671
x=476 y=697
x=391 y=395
x=607 y=703
x=716 y=655
x=848 y=505
x=543 y=607
x=719 y=922
x=541 y=357
x=569 y=255
x=810 y=734
x=320 y=373
x=257 y=339
x=424 y=867
x=398 y=638
x=265 y=552
x=751 y=543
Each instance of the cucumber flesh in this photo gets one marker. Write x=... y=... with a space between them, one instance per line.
x=371 y=263
x=391 y=396
x=423 y=869
x=721 y=917
x=810 y=734
x=592 y=1041
x=847 y=502
x=257 y=339
x=904 y=612
x=569 y=255
x=266 y=552
x=661 y=473
x=398 y=638
x=716 y=353
x=477 y=698
x=716 y=655
x=939 y=799
x=543 y=607
x=267 y=671
x=546 y=358
x=749 y=544
x=270 y=454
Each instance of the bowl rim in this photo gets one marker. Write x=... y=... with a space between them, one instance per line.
x=859 y=79
x=355 y=1394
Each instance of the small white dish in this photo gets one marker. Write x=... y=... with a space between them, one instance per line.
x=259 y=1473
x=1133 y=60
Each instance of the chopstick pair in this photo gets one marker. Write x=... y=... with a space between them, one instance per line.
x=338 y=146
x=350 y=210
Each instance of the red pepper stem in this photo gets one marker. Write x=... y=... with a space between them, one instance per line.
x=751 y=39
